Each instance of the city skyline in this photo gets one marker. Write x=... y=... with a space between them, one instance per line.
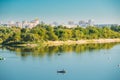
x=70 y=24
x=61 y=11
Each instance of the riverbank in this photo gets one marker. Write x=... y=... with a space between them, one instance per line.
x=70 y=42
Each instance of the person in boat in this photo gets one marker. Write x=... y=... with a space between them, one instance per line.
x=61 y=71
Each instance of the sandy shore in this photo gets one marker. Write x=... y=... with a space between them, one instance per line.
x=69 y=42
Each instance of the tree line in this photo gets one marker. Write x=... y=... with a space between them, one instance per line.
x=43 y=32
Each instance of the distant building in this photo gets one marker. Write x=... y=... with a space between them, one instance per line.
x=25 y=24
x=31 y=24
x=86 y=23
x=18 y=24
x=54 y=24
x=91 y=22
x=106 y=25
x=82 y=23
x=70 y=23
x=11 y=23
x=69 y=26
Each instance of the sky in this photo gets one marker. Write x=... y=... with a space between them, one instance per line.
x=61 y=11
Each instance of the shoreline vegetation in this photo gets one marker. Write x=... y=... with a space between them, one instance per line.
x=68 y=42
x=47 y=35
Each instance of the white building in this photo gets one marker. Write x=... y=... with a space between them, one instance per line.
x=70 y=25
x=11 y=23
x=33 y=23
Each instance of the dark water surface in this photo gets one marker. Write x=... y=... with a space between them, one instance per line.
x=81 y=62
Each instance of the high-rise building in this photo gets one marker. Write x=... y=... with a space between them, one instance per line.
x=91 y=22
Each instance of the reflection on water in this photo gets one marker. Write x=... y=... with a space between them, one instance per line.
x=51 y=50
x=67 y=62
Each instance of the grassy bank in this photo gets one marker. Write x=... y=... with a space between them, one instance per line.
x=68 y=42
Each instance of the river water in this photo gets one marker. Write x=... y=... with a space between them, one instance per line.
x=81 y=62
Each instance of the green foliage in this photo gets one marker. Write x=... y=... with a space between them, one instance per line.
x=29 y=37
x=44 y=32
x=115 y=28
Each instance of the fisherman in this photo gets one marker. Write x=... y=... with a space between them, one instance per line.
x=61 y=71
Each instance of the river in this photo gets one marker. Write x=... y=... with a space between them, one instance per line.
x=80 y=62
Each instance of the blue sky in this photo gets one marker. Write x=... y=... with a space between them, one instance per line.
x=102 y=11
